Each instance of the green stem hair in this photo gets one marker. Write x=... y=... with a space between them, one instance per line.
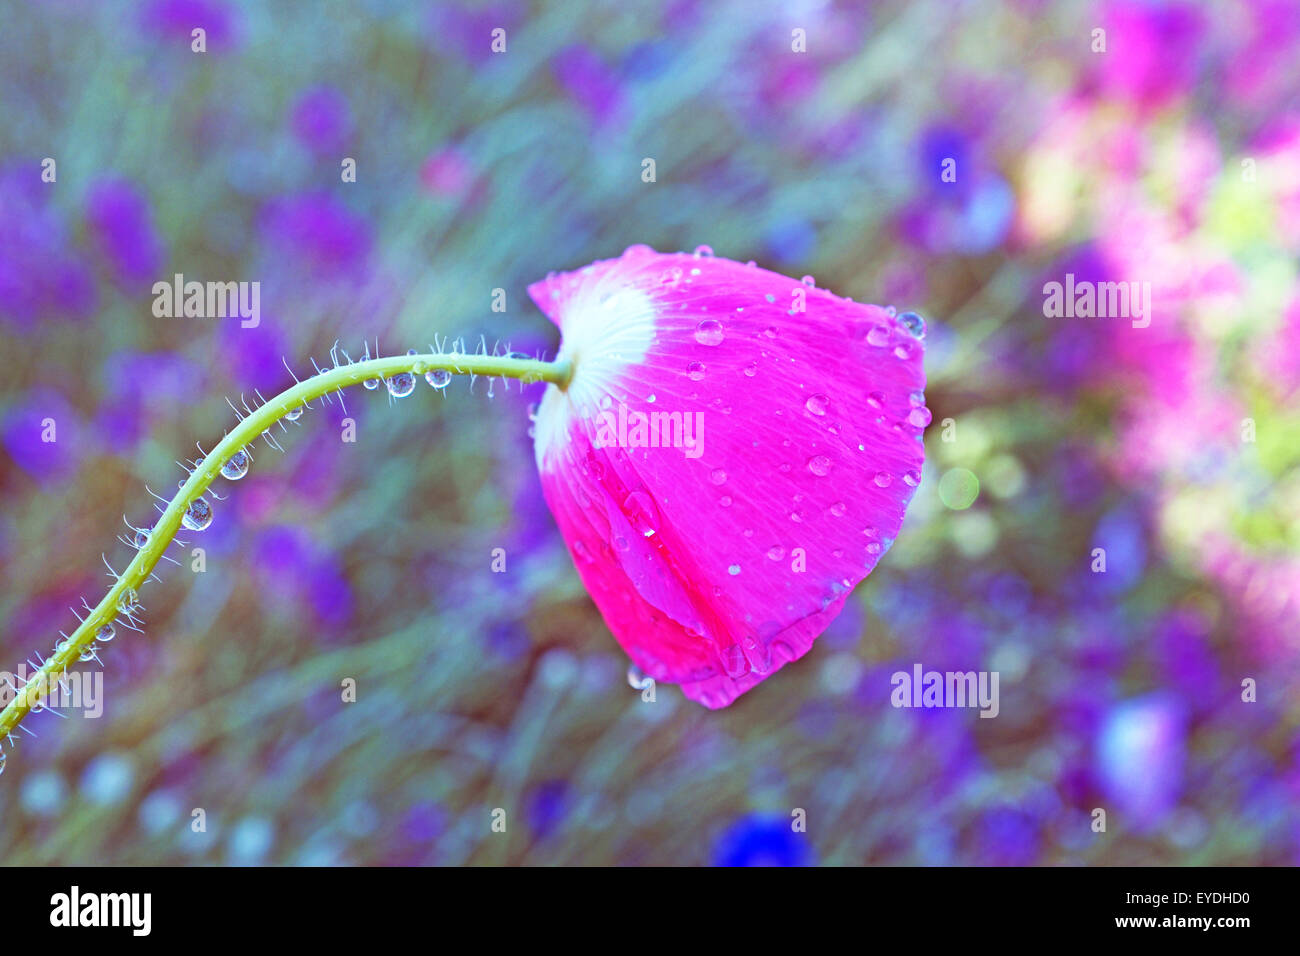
x=242 y=435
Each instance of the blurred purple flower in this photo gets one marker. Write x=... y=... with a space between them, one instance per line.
x=320 y=232
x=293 y=565
x=143 y=387
x=25 y=424
x=40 y=276
x=466 y=29
x=321 y=119
x=177 y=18
x=546 y=806
x=590 y=82
x=121 y=227
x=1006 y=836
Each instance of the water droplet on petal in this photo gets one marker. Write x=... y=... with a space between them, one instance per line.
x=725 y=501
x=438 y=377
x=236 y=466
x=879 y=335
x=817 y=404
x=717 y=476
x=751 y=369
x=838 y=509
x=920 y=417
x=641 y=512
x=776 y=552
x=913 y=478
x=733 y=570
x=819 y=465
x=883 y=479
x=703 y=252
x=902 y=351
x=695 y=371
x=876 y=400
x=809 y=281
x=198 y=515
x=709 y=332
x=914 y=324
x=733 y=661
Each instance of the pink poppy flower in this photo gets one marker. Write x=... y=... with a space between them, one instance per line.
x=733 y=454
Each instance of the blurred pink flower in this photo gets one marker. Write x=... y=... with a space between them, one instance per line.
x=1152 y=51
x=721 y=558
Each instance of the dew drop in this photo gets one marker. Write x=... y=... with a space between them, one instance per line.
x=733 y=659
x=717 y=476
x=127 y=601
x=438 y=377
x=703 y=252
x=371 y=383
x=876 y=400
x=709 y=332
x=106 y=632
x=920 y=417
x=770 y=297
x=879 y=335
x=401 y=384
x=641 y=512
x=914 y=324
x=636 y=677
x=294 y=414
x=817 y=404
x=198 y=515
x=839 y=509
x=695 y=371
x=913 y=478
x=236 y=466
x=725 y=501
x=88 y=654
x=751 y=369
x=733 y=570
x=883 y=480
x=809 y=281
x=902 y=351
x=776 y=552
x=140 y=539
x=819 y=465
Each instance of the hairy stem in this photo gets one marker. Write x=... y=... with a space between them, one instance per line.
x=242 y=435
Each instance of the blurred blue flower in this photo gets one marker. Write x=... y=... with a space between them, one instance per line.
x=759 y=840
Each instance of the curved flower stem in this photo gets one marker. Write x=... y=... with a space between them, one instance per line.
x=249 y=429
